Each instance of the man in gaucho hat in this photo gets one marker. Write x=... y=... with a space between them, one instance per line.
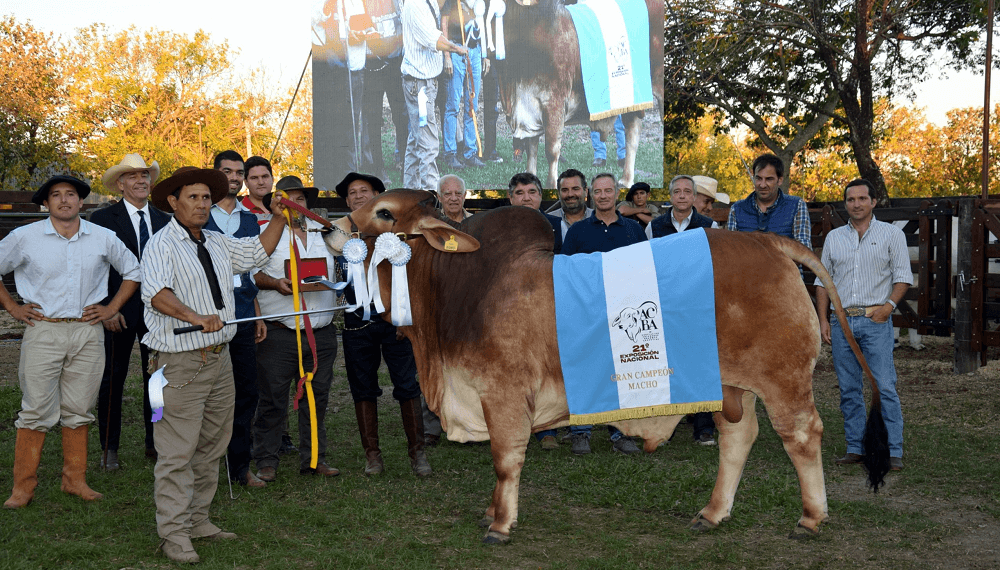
x=187 y=278
x=61 y=267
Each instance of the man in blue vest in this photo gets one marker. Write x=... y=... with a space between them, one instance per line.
x=683 y=216
x=769 y=209
x=230 y=217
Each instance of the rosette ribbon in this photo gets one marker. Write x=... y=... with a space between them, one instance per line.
x=402 y=315
x=355 y=251
x=386 y=246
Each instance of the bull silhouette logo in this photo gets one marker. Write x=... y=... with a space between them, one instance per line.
x=618 y=52
x=634 y=321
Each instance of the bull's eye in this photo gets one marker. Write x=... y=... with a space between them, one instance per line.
x=386 y=215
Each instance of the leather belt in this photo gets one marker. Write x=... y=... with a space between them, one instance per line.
x=65 y=320
x=860 y=311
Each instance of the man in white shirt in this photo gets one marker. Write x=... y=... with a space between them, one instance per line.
x=423 y=43
x=61 y=267
x=277 y=354
x=573 y=195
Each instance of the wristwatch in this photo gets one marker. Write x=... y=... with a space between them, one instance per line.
x=892 y=303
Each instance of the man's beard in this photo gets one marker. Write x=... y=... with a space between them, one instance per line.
x=574 y=209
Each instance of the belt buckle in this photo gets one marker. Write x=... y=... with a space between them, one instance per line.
x=855 y=311
x=218 y=348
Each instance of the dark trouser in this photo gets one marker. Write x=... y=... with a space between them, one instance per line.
x=277 y=373
x=491 y=95
x=118 y=352
x=243 y=352
x=363 y=351
x=383 y=77
x=703 y=423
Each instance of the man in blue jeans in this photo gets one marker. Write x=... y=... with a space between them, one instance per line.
x=870 y=267
x=601 y=148
x=456 y=111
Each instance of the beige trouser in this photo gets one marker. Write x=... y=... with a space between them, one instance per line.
x=60 y=374
x=193 y=434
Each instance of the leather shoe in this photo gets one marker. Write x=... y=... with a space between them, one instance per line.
x=430 y=440
x=267 y=474
x=321 y=469
x=474 y=162
x=252 y=481
x=452 y=161
x=109 y=461
x=895 y=464
x=850 y=459
x=178 y=553
x=221 y=535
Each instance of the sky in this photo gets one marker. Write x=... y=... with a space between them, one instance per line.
x=276 y=35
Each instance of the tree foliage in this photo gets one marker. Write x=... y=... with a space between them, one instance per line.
x=31 y=92
x=811 y=61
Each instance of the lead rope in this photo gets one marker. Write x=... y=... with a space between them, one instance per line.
x=305 y=378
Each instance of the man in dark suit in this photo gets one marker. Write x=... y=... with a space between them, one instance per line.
x=133 y=220
x=230 y=217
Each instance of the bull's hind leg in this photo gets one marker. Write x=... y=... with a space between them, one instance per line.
x=735 y=441
x=632 y=123
x=510 y=428
x=801 y=430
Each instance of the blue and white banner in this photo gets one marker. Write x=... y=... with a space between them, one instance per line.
x=636 y=330
x=614 y=55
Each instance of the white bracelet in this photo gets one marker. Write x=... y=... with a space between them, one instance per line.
x=891 y=303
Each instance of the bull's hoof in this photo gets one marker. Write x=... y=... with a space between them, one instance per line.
x=485 y=522
x=701 y=524
x=802 y=531
x=494 y=537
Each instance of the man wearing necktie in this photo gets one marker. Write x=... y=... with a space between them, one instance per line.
x=134 y=220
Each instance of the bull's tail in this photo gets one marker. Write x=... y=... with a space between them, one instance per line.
x=876 y=437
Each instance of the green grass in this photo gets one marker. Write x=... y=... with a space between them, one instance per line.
x=600 y=511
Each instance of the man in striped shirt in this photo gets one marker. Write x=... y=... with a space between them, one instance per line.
x=187 y=278
x=870 y=267
x=423 y=43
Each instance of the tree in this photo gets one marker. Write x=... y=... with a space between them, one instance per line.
x=173 y=98
x=32 y=147
x=821 y=58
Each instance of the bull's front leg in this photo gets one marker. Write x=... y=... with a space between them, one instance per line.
x=510 y=428
x=555 y=121
x=531 y=153
x=632 y=123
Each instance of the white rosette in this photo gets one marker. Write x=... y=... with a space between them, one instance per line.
x=496 y=11
x=402 y=315
x=355 y=251
x=385 y=248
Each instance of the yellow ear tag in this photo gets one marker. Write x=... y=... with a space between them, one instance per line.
x=451 y=244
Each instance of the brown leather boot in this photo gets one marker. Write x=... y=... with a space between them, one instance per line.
x=27 y=455
x=413 y=425
x=367 y=413
x=74 y=474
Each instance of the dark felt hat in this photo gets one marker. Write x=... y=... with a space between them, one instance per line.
x=288 y=183
x=377 y=185
x=216 y=181
x=635 y=188
x=82 y=188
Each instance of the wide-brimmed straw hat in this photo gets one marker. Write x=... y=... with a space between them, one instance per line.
x=131 y=163
x=82 y=188
x=288 y=183
x=377 y=185
x=708 y=186
x=216 y=181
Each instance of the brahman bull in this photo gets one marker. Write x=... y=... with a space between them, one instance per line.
x=484 y=338
x=542 y=81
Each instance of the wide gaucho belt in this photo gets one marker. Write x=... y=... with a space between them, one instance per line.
x=859 y=311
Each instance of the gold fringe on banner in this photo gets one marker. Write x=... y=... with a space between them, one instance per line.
x=620 y=110
x=645 y=412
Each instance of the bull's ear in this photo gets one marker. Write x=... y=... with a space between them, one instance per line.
x=443 y=237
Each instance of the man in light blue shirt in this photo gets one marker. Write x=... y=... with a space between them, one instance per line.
x=61 y=266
